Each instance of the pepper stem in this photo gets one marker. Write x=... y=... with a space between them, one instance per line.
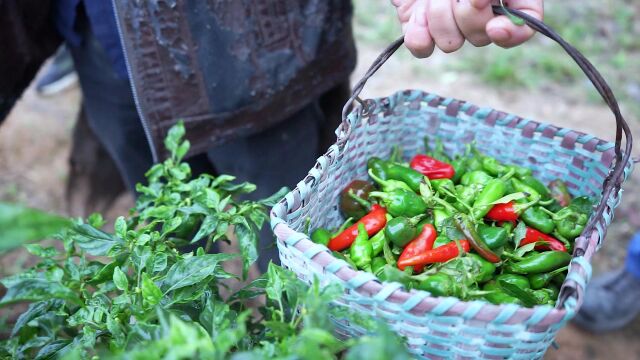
x=395 y=153
x=508 y=175
x=362 y=202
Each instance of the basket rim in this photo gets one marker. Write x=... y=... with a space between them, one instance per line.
x=423 y=303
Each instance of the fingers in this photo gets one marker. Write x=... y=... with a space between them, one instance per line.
x=505 y=33
x=480 y=4
x=472 y=21
x=443 y=27
x=417 y=37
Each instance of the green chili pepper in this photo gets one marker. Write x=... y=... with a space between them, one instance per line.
x=520 y=171
x=465 y=197
x=538 y=281
x=475 y=177
x=542 y=297
x=540 y=263
x=497 y=296
x=443 y=186
x=559 y=279
x=537 y=218
x=441 y=240
x=493 y=190
x=569 y=222
x=582 y=205
x=377 y=264
x=321 y=236
x=485 y=269
x=495 y=237
x=460 y=168
x=361 y=250
x=440 y=284
x=378 y=167
x=401 y=230
x=401 y=202
x=439 y=216
x=492 y=166
x=467 y=227
x=389 y=185
x=517 y=280
x=553 y=291
x=537 y=186
x=407 y=175
x=377 y=242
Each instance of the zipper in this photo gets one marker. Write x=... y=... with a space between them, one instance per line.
x=136 y=100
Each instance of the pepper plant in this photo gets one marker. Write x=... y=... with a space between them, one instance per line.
x=136 y=293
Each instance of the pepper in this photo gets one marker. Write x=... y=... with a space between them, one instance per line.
x=509 y=211
x=377 y=242
x=582 y=204
x=389 y=184
x=569 y=222
x=361 y=250
x=464 y=224
x=465 y=197
x=443 y=186
x=542 y=297
x=534 y=195
x=421 y=244
x=401 y=230
x=492 y=166
x=345 y=258
x=374 y=221
x=407 y=175
x=441 y=240
x=438 y=152
x=537 y=218
x=519 y=171
x=483 y=269
x=349 y=207
x=537 y=186
x=439 y=255
x=538 y=281
x=439 y=216
x=459 y=168
x=495 y=237
x=540 y=263
x=493 y=190
x=377 y=264
x=432 y=168
x=378 y=167
x=497 y=296
x=478 y=177
x=517 y=280
x=551 y=243
x=560 y=192
x=553 y=291
x=401 y=202
x=440 y=284
x=321 y=236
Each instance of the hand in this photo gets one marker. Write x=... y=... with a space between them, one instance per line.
x=448 y=23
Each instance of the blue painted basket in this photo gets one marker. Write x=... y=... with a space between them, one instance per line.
x=447 y=327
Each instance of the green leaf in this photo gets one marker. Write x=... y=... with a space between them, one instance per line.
x=120 y=227
x=20 y=225
x=248 y=243
x=451 y=230
x=525 y=249
x=175 y=135
x=35 y=310
x=96 y=220
x=193 y=270
x=93 y=241
x=527 y=299
x=519 y=233
x=50 y=350
x=37 y=289
x=208 y=226
x=250 y=291
x=159 y=262
x=509 y=198
x=151 y=294
x=273 y=199
x=120 y=279
x=40 y=251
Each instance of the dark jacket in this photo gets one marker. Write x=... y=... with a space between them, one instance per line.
x=228 y=68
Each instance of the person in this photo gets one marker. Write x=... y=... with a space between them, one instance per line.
x=259 y=84
x=611 y=300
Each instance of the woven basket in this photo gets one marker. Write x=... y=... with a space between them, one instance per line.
x=447 y=327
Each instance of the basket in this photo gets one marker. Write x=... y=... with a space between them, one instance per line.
x=448 y=327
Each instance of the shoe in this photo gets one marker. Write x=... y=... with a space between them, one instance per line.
x=59 y=75
x=611 y=302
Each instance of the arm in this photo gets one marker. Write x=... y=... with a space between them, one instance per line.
x=448 y=23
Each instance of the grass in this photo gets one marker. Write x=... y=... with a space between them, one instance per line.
x=603 y=30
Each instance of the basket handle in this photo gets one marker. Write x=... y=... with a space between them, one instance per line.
x=615 y=176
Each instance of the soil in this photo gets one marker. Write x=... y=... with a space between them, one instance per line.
x=35 y=142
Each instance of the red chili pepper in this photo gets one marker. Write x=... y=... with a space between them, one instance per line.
x=373 y=222
x=440 y=254
x=533 y=235
x=432 y=168
x=508 y=211
x=421 y=244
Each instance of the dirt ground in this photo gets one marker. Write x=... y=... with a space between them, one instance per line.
x=35 y=140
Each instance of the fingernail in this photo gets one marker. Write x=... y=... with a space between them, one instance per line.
x=499 y=35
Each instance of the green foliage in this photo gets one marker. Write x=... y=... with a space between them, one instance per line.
x=144 y=298
x=20 y=225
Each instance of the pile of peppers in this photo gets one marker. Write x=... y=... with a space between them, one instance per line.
x=467 y=226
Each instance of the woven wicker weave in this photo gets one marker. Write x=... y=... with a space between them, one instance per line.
x=448 y=327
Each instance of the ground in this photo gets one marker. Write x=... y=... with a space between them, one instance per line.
x=35 y=139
